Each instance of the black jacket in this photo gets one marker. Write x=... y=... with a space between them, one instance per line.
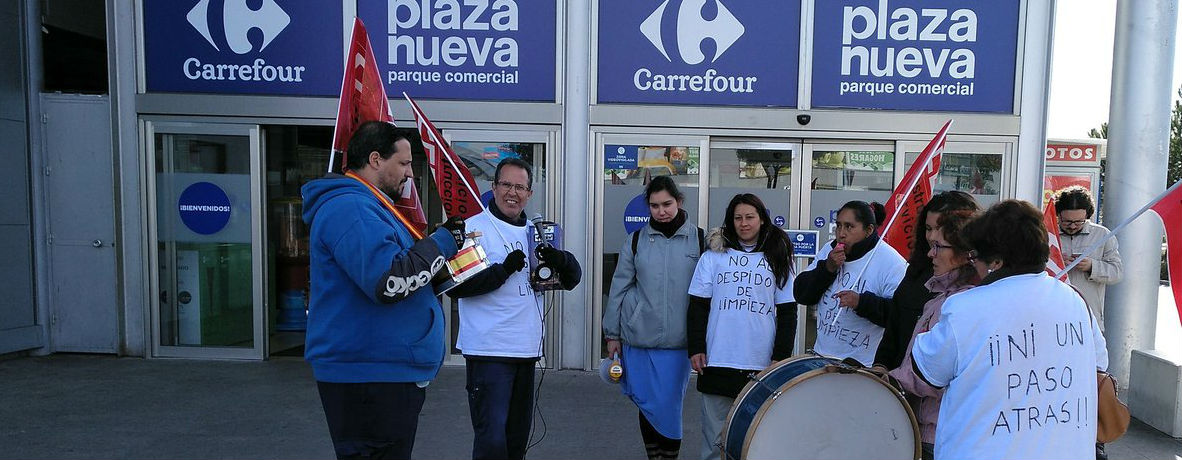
x=897 y=315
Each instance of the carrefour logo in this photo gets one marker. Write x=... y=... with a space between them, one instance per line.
x=692 y=29
x=238 y=20
x=204 y=208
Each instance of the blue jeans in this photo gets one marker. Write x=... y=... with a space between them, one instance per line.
x=500 y=400
x=372 y=420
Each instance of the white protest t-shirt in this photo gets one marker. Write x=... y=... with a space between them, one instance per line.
x=506 y=322
x=853 y=336
x=1018 y=357
x=743 y=295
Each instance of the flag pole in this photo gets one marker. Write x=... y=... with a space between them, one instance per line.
x=926 y=159
x=332 y=151
x=1112 y=233
x=419 y=115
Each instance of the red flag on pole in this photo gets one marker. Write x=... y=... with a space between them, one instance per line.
x=1055 y=262
x=457 y=189
x=1169 y=208
x=363 y=98
x=912 y=193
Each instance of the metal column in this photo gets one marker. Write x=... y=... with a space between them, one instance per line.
x=575 y=163
x=1138 y=150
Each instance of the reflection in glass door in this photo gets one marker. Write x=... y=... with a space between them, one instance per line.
x=841 y=173
x=629 y=163
x=760 y=168
x=481 y=152
x=207 y=241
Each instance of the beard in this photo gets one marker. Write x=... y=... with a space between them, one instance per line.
x=394 y=191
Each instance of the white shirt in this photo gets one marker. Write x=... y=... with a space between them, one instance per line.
x=506 y=322
x=853 y=336
x=741 y=328
x=1018 y=357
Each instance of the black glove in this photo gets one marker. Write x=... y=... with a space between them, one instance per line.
x=552 y=257
x=514 y=262
x=455 y=226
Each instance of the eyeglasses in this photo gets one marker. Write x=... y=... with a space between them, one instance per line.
x=971 y=256
x=937 y=246
x=506 y=186
x=1073 y=222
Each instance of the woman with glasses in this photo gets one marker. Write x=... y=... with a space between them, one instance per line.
x=853 y=261
x=741 y=316
x=898 y=312
x=1016 y=354
x=644 y=317
x=951 y=273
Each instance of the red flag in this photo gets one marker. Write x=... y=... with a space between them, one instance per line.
x=363 y=98
x=912 y=193
x=1055 y=262
x=456 y=187
x=1169 y=208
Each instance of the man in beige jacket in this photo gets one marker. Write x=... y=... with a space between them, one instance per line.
x=1076 y=233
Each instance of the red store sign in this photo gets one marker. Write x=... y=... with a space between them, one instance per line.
x=1073 y=154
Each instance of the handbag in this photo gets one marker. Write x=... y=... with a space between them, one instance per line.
x=1112 y=416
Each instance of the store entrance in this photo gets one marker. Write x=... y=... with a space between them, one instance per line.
x=207 y=240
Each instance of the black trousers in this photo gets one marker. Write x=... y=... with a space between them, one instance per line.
x=501 y=402
x=372 y=420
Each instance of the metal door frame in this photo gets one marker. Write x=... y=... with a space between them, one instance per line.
x=795 y=214
x=252 y=131
x=553 y=207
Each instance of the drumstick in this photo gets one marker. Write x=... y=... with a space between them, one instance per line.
x=869 y=258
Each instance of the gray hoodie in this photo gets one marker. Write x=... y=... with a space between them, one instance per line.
x=650 y=289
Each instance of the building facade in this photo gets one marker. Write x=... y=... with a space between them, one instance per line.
x=162 y=215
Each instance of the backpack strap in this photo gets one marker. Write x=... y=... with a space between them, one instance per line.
x=701 y=240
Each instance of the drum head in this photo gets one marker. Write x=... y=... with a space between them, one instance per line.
x=832 y=415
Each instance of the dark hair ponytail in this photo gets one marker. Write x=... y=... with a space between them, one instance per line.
x=665 y=183
x=867 y=214
x=773 y=242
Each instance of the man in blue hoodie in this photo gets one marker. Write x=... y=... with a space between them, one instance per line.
x=375 y=327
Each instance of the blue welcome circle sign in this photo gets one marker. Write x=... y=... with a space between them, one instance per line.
x=204 y=208
x=636 y=214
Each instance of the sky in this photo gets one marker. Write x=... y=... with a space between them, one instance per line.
x=1081 y=67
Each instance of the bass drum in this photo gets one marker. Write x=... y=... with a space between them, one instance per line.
x=812 y=407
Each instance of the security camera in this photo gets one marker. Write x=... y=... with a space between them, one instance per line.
x=804 y=119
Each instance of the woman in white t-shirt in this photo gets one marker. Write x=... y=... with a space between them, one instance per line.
x=1017 y=354
x=951 y=274
x=853 y=262
x=741 y=315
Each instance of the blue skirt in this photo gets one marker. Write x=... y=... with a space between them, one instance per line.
x=655 y=379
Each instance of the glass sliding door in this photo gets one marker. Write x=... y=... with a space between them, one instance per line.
x=628 y=163
x=205 y=227
x=481 y=151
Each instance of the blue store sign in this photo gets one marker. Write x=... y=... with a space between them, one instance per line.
x=234 y=46
x=204 y=208
x=501 y=50
x=636 y=214
x=945 y=55
x=620 y=156
x=699 y=52
x=804 y=242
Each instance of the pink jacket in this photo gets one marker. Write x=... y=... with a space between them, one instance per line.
x=927 y=411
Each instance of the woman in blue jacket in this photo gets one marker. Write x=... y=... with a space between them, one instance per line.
x=644 y=317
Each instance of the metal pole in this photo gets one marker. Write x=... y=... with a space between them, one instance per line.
x=1138 y=150
x=577 y=307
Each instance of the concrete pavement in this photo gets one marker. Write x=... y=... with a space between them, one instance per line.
x=100 y=407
